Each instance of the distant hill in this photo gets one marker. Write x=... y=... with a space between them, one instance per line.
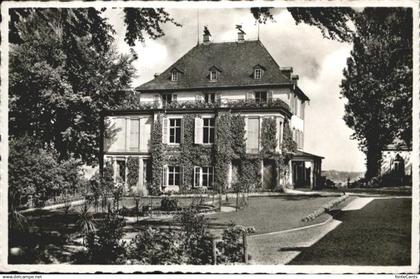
x=341 y=176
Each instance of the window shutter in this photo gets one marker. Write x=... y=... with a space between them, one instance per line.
x=278 y=133
x=182 y=130
x=250 y=95
x=174 y=97
x=198 y=130
x=212 y=177
x=269 y=96
x=165 y=175
x=281 y=131
x=218 y=98
x=246 y=127
x=165 y=130
x=302 y=114
x=196 y=176
x=156 y=99
x=181 y=176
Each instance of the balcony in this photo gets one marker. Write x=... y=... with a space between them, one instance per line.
x=199 y=104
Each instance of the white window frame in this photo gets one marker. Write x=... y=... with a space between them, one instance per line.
x=258 y=73
x=173 y=172
x=164 y=96
x=199 y=173
x=210 y=96
x=175 y=133
x=258 y=100
x=209 y=127
x=213 y=75
x=174 y=76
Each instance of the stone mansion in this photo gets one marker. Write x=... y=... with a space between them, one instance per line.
x=218 y=117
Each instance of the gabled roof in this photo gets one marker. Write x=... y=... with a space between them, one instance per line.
x=237 y=61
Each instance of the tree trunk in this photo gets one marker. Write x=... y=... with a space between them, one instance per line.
x=373 y=161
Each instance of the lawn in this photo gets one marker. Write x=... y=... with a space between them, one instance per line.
x=378 y=234
x=270 y=214
x=52 y=232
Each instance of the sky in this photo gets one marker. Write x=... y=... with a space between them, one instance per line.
x=319 y=62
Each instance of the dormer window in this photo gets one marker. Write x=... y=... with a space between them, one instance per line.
x=174 y=76
x=258 y=73
x=213 y=75
x=214 y=72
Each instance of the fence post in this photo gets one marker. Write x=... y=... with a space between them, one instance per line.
x=220 y=202
x=214 y=250
x=237 y=200
x=245 y=246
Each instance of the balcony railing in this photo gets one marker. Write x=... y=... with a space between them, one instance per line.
x=220 y=103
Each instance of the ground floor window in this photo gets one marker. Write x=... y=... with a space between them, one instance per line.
x=120 y=171
x=174 y=175
x=204 y=176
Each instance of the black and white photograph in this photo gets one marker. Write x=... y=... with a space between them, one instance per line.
x=210 y=137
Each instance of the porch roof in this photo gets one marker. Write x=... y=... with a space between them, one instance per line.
x=305 y=155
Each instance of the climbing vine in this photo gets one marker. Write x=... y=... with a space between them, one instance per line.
x=230 y=144
x=268 y=136
x=193 y=154
x=133 y=172
x=237 y=130
x=157 y=154
x=223 y=151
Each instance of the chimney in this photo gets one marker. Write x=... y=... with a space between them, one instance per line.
x=206 y=36
x=156 y=75
x=295 y=78
x=241 y=33
x=241 y=37
x=287 y=71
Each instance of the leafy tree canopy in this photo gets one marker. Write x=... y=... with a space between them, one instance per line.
x=64 y=71
x=377 y=82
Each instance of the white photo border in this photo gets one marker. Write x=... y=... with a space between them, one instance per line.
x=293 y=269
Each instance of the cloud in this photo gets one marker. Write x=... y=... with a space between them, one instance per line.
x=318 y=61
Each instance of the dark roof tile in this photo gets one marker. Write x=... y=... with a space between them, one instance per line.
x=235 y=61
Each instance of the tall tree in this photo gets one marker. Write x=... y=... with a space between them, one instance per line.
x=64 y=71
x=378 y=79
x=377 y=82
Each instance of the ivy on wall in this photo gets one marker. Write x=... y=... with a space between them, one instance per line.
x=157 y=156
x=249 y=174
x=223 y=151
x=193 y=154
x=238 y=139
x=268 y=136
x=230 y=144
x=133 y=165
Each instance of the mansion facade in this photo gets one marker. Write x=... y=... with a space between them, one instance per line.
x=176 y=134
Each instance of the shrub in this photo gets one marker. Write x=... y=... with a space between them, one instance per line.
x=157 y=247
x=38 y=172
x=169 y=204
x=107 y=246
x=197 y=241
x=231 y=246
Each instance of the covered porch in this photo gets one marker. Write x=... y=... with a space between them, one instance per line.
x=306 y=170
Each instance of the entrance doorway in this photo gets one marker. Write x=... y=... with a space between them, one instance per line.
x=269 y=174
x=301 y=175
x=147 y=172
